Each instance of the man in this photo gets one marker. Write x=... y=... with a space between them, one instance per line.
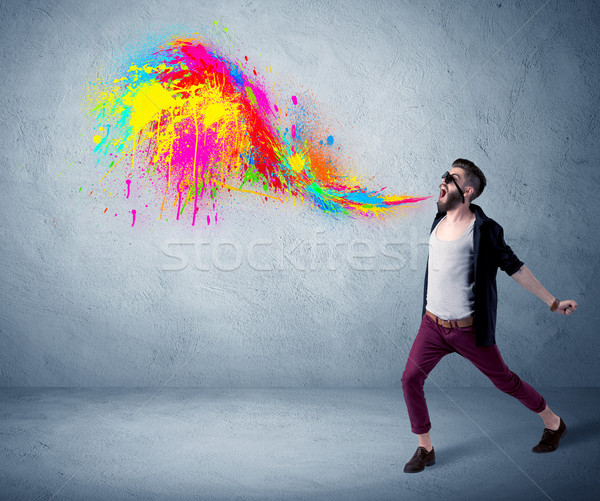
x=466 y=248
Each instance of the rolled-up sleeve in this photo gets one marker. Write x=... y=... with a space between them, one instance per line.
x=506 y=259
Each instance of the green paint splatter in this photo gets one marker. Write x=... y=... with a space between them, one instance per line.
x=251 y=175
x=184 y=204
x=251 y=96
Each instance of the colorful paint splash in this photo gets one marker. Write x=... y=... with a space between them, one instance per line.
x=195 y=125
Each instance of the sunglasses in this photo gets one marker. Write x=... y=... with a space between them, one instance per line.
x=447 y=178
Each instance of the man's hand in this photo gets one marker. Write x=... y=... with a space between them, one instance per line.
x=566 y=307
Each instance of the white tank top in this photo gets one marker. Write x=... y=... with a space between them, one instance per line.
x=450 y=276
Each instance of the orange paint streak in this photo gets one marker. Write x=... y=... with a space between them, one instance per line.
x=321 y=165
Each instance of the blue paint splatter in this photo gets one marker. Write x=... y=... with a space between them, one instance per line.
x=329 y=140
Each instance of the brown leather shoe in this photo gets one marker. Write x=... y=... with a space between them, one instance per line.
x=420 y=460
x=551 y=438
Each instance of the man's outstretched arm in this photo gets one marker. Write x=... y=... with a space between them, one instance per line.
x=526 y=279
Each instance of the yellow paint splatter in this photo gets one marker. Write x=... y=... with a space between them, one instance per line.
x=147 y=102
x=297 y=162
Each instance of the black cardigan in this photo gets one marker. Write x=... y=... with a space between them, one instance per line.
x=490 y=252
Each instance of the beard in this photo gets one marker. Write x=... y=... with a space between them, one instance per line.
x=451 y=201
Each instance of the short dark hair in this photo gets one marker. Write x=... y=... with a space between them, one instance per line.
x=473 y=174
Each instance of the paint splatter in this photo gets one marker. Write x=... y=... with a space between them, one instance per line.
x=195 y=126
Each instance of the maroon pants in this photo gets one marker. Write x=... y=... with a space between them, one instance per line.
x=433 y=342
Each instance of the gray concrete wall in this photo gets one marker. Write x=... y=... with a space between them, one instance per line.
x=407 y=87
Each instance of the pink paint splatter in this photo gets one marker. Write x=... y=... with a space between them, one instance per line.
x=196 y=209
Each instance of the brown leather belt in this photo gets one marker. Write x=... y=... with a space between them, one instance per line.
x=461 y=322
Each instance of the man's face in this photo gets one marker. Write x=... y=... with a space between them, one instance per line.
x=449 y=196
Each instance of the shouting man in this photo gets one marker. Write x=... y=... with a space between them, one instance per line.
x=466 y=248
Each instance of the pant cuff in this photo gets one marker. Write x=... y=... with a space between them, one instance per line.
x=420 y=430
x=541 y=407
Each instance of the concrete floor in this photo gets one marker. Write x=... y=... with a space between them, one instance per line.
x=198 y=443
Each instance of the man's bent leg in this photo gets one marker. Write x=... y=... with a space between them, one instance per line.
x=427 y=350
x=489 y=361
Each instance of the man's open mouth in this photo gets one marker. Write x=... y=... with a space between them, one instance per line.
x=442 y=193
